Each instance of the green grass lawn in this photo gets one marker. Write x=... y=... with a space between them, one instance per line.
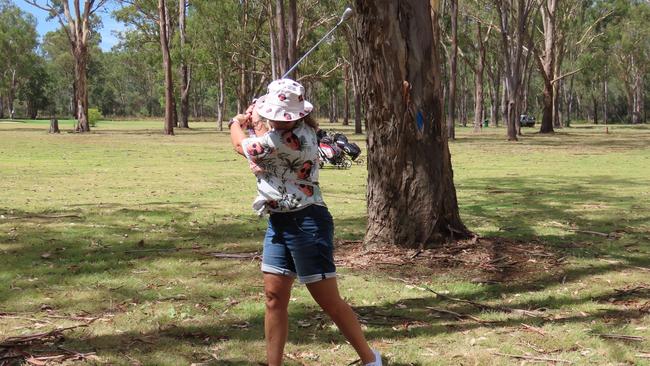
x=89 y=223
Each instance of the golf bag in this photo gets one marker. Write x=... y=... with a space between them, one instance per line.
x=351 y=149
x=330 y=153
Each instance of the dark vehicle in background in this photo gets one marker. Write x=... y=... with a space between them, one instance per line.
x=526 y=120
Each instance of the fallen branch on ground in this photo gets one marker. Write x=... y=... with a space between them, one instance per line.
x=458 y=316
x=621 y=337
x=7 y=316
x=235 y=255
x=159 y=250
x=37 y=216
x=19 y=341
x=524 y=357
x=534 y=329
x=485 y=306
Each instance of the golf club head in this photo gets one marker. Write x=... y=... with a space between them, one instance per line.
x=346 y=15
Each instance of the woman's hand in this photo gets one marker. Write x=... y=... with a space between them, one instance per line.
x=244 y=120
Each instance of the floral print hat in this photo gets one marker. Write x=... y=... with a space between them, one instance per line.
x=284 y=101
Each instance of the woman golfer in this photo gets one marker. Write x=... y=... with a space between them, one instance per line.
x=283 y=155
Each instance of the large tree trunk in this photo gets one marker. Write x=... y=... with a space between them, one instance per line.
x=292 y=36
x=514 y=16
x=81 y=54
x=478 y=81
x=504 y=100
x=281 y=32
x=221 y=104
x=464 y=90
x=411 y=195
x=184 y=69
x=605 y=98
x=54 y=126
x=357 y=101
x=357 y=113
x=346 y=95
x=167 y=68
x=12 y=94
x=494 y=74
x=637 y=116
x=547 y=109
x=272 y=42
x=453 y=67
x=546 y=64
x=594 y=102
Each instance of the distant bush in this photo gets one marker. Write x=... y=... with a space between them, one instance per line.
x=94 y=115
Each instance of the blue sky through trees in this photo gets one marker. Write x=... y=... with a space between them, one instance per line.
x=110 y=25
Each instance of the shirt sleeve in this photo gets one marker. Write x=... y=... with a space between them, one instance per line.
x=258 y=149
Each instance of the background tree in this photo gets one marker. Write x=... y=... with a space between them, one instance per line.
x=34 y=90
x=411 y=194
x=514 y=19
x=453 y=70
x=185 y=74
x=170 y=104
x=77 y=24
x=17 y=57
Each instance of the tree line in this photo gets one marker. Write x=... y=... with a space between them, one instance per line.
x=557 y=60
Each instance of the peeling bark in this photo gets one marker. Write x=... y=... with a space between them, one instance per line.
x=411 y=194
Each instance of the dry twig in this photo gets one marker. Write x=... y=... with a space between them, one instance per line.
x=524 y=357
x=484 y=306
x=621 y=337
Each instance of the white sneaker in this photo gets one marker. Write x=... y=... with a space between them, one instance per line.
x=377 y=359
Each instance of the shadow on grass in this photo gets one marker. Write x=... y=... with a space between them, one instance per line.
x=54 y=249
x=515 y=205
x=408 y=318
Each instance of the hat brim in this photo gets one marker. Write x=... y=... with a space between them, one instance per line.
x=276 y=113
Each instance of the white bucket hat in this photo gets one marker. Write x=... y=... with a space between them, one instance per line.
x=284 y=101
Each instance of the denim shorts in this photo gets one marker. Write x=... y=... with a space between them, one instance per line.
x=300 y=244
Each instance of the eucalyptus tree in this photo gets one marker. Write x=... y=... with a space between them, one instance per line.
x=185 y=72
x=514 y=21
x=60 y=64
x=17 y=45
x=411 y=195
x=76 y=21
x=154 y=19
x=453 y=71
x=34 y=89
x=630 y=36
x=234 y=52
x=559 y=20
x=472 y=45
x=213 y=45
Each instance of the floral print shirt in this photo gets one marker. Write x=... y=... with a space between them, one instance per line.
x=286 y=166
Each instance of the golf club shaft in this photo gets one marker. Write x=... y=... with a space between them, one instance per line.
x=344 y=17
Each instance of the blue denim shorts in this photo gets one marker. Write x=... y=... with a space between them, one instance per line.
x=300 y=244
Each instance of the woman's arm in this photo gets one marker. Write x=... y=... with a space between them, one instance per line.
x=237 y=126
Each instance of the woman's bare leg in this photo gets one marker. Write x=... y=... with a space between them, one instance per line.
x=277 y=289
x=326 y=294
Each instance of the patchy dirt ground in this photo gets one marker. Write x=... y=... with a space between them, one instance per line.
x=481 y=260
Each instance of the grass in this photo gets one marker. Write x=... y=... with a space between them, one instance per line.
x=81 y=215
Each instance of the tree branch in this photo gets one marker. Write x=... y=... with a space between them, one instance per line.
x=592 y=26
x=565 y=75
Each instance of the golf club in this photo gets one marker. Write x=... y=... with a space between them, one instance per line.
x=346 y=14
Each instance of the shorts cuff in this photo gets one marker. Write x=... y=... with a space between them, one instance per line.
x=277 y=270
x=315 y=278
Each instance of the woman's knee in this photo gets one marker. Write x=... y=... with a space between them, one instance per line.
x=333 y=306
x=276 y=300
